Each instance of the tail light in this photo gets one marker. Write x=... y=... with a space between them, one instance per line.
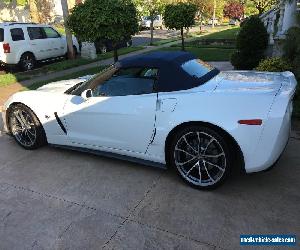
x=6 y=47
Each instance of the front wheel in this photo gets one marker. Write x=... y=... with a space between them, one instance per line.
x=201 y=156
x=25 y=127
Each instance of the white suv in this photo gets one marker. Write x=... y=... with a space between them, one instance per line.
x=24 y=44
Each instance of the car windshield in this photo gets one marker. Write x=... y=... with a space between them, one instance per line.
x=1 y=35
x=99 y=78
x=196 y=68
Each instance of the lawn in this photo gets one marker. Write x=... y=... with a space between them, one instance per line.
x=10 y=78
x=207 y=54
x=85 y=72
x=229 y=34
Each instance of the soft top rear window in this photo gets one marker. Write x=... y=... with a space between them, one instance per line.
x=1 y=35
x=196 y=68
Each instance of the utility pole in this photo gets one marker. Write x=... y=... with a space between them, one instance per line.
x=65 y=9
x=214 y=14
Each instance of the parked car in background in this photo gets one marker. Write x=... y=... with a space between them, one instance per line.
x=105 y=46
x=215 y=21
x=157 y=23
x=24 y=44
x=233 y=22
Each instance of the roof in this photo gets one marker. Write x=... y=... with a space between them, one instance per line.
x=172 y=77
x=157 y=59
x=20 y=23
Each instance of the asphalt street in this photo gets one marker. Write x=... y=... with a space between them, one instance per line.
x=60 y=199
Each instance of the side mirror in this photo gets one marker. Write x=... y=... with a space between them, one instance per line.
x=87 y=94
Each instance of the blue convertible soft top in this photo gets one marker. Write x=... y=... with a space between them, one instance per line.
x=172 y=77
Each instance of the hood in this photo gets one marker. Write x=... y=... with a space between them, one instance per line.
x=64 y=85
x=251 y=81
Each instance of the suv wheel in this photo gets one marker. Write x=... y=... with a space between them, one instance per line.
x=27 y=62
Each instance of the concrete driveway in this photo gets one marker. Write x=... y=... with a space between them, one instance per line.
x=59 y=199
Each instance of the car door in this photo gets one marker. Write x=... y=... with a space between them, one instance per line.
x=55 y=42
x=38 y=42
x=119 y=116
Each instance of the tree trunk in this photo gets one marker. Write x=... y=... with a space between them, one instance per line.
x=34 y=16
x=214 y=14
x=116 y=57
x=151 y=30
x=182 y=39
x=65 y=9
x=201 y=18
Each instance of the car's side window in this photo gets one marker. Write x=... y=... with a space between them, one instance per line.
x=128 y=81
x=17 y=34
x=35 y=33
x=51 y=33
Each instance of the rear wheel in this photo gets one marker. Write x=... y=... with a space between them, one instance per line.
x=201 y=156
x=27 y=62
x=103 y=50
x=25 y=127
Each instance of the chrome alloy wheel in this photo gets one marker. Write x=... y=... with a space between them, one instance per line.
x=200 y=158
x=23 y=127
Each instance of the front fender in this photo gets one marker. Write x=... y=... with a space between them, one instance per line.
x=44 y=105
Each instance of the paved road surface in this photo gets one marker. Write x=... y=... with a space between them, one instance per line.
x=60 y=199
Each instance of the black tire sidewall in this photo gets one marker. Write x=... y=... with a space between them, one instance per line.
x=41 y=139
x=220 y=138
x=22 y=63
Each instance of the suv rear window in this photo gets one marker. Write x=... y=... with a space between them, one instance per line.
x=1 y=35
x=35 y=33
x=17 y=34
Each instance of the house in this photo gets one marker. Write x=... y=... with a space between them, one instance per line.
x=277 y=22
x=23 y=13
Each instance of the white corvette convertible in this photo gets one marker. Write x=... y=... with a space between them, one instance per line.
x=163 y=109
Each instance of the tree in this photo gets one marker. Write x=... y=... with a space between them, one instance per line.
x=205 y=9
x=251 y=43
x=180 y=16
x=150 y=8
x=40 y=10
x=65 y=10
x=234 y=10
x=264 y=5
x=113 y=20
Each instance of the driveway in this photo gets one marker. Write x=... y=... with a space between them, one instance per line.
x=60 y=199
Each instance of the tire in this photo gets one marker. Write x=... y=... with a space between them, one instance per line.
x=201 y=156
x=25 y=127
x=103 y=50
x=27 y=62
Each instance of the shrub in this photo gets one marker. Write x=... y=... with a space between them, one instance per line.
x=275 y=64
x=251 y=43
x=244 y=60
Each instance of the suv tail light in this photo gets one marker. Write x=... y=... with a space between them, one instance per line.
x=6 y=47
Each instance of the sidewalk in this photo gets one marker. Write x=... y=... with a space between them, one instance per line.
x=7 y=91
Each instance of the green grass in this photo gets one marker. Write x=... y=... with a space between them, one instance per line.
x=296 y=103
x=67 y=64
x=230 y=34
x=10 y=78
x=164 y=41
x=85 y=72
x=206 y=54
